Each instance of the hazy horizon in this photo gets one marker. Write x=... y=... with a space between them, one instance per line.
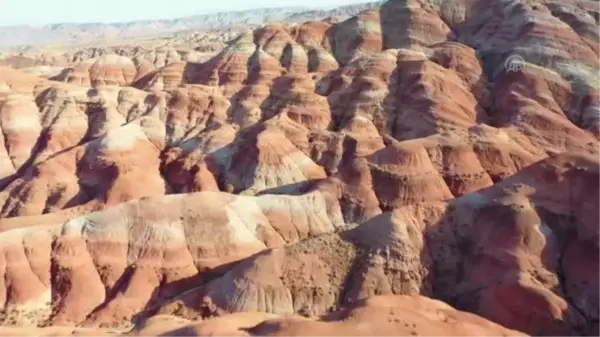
x=43 y=12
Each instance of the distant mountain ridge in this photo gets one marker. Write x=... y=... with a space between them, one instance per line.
x=73 y=33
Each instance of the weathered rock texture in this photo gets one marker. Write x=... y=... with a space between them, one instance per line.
x=307 y=168
x=380 y=316
x=27 y=37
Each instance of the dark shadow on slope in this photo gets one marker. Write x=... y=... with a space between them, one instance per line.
x=62 y=76
x=278 y=98
x=408 y=107
x=179 y=172
x=397 y=20
x=344 y=47
x=476 y=259
x=412 y=107
x=28 y=171
x=144 y=81
x=40 y=144
x=314 y=62
x=583 y=107
x=481 y=89
x=169 y=292
x=385 y=264
x=298 y=188
x=457 y=249
x=200 y=73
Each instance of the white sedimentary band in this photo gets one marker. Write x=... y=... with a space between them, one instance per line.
x=298 y=52
x=325 y=55
x=246 y=48
x=370 y=26
x=374 y=94
x=17 y=236
x=122 y=138
x=293 y=168
x=309 y=210
x=24 y=118
x=243 y=215
x=4 y=88
x=113 y=59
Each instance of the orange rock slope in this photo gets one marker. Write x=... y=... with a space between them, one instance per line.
x=284 y=184
x=382 y=316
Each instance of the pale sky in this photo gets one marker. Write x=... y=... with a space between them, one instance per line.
x=39 y=12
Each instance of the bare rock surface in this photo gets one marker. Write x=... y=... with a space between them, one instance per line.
x=281 y=184
x=381 y=316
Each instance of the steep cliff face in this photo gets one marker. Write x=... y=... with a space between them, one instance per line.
x=306 y=169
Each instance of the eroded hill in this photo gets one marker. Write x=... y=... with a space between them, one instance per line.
x=306 y=168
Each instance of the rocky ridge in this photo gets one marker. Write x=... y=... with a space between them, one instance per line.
x=305 y=169
x=61 y=34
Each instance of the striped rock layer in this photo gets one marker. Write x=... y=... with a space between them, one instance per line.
x=307 y=168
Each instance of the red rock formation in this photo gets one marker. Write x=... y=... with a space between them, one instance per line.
x=306 y=169
x=381 y=316
x=106 y=70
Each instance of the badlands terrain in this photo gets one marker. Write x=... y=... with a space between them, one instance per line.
x=384 y=174
x=25 y=37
